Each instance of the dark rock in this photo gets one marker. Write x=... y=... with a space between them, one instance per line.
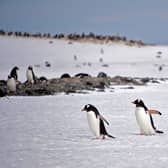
x=2 y=82
x=47 y=64
x=105 y=65
x=145 y=80
x=155 y=81
x=100 y=85
x=3 y=92
x=89 y=83
x=125 y=80
x=129 y=87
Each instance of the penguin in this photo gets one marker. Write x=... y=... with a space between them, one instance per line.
x=14 y=73
x=82 y=75
x=30 y=75
x=96 y=122
x=11 y=84
x=144 y=118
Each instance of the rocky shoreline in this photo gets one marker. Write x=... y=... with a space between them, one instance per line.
x=79 y=84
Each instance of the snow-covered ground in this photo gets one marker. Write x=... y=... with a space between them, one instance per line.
x=121 y=60
x=52 y=132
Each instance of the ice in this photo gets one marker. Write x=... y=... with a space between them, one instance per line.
x=52 y=132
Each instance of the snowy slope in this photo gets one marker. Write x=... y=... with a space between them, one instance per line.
x=52 y=132
x=121 y=60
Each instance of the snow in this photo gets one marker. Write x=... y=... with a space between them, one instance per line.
x=122 y=60
x=52 y=132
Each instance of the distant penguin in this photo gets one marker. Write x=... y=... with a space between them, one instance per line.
x=96 y=122
x=82 y=75
x=14 y=73
x=75 y=58
x=30 y=75
x=144 y=118
x=101 y=60
x=43 y=79
x=11 y=84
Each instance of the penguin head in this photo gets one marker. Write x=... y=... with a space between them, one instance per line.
x=30 y=68
x=15 y=68
x=88 y=108
x=14 y=71
x=139 y=103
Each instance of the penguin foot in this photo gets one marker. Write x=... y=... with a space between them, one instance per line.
x=97 y=138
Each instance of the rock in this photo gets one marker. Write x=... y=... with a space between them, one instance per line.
x=145 y=80
x=3 y=92
x=47 y=64
x=105 y=65
x=3 y=82
x=82 y=82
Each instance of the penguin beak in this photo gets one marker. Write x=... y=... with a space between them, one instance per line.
x=82 y=110
x=133 y=102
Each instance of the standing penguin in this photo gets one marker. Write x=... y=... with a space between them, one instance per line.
x=96 y=122
x=144 y=118
x=14 y=73
x=30 y=75
x=11 y=84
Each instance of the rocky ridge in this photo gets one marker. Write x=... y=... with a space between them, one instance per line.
x=81 y=83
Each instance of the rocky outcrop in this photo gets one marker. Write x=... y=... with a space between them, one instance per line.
x=75 y=84
x=91 y=37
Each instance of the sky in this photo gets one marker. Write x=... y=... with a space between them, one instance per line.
x=145 y=20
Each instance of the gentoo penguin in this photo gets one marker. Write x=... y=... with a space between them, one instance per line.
x=144 y=118
x=30 y=75
x=11 y=84
x=14 y=73
x=96 y=122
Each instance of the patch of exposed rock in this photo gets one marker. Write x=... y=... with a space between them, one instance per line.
x=78 y=84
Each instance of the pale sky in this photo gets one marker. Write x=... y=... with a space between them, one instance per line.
x=145 y=20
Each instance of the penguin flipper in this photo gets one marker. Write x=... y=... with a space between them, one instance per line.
x=102 y=118
x=151 y=111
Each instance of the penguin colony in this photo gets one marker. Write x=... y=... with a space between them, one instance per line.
x=96 y=121
x=12 y=80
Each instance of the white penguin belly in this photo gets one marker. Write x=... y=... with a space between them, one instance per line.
x=11 y=85
x=29 y=76
x=94 y=123
x=144 y=122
